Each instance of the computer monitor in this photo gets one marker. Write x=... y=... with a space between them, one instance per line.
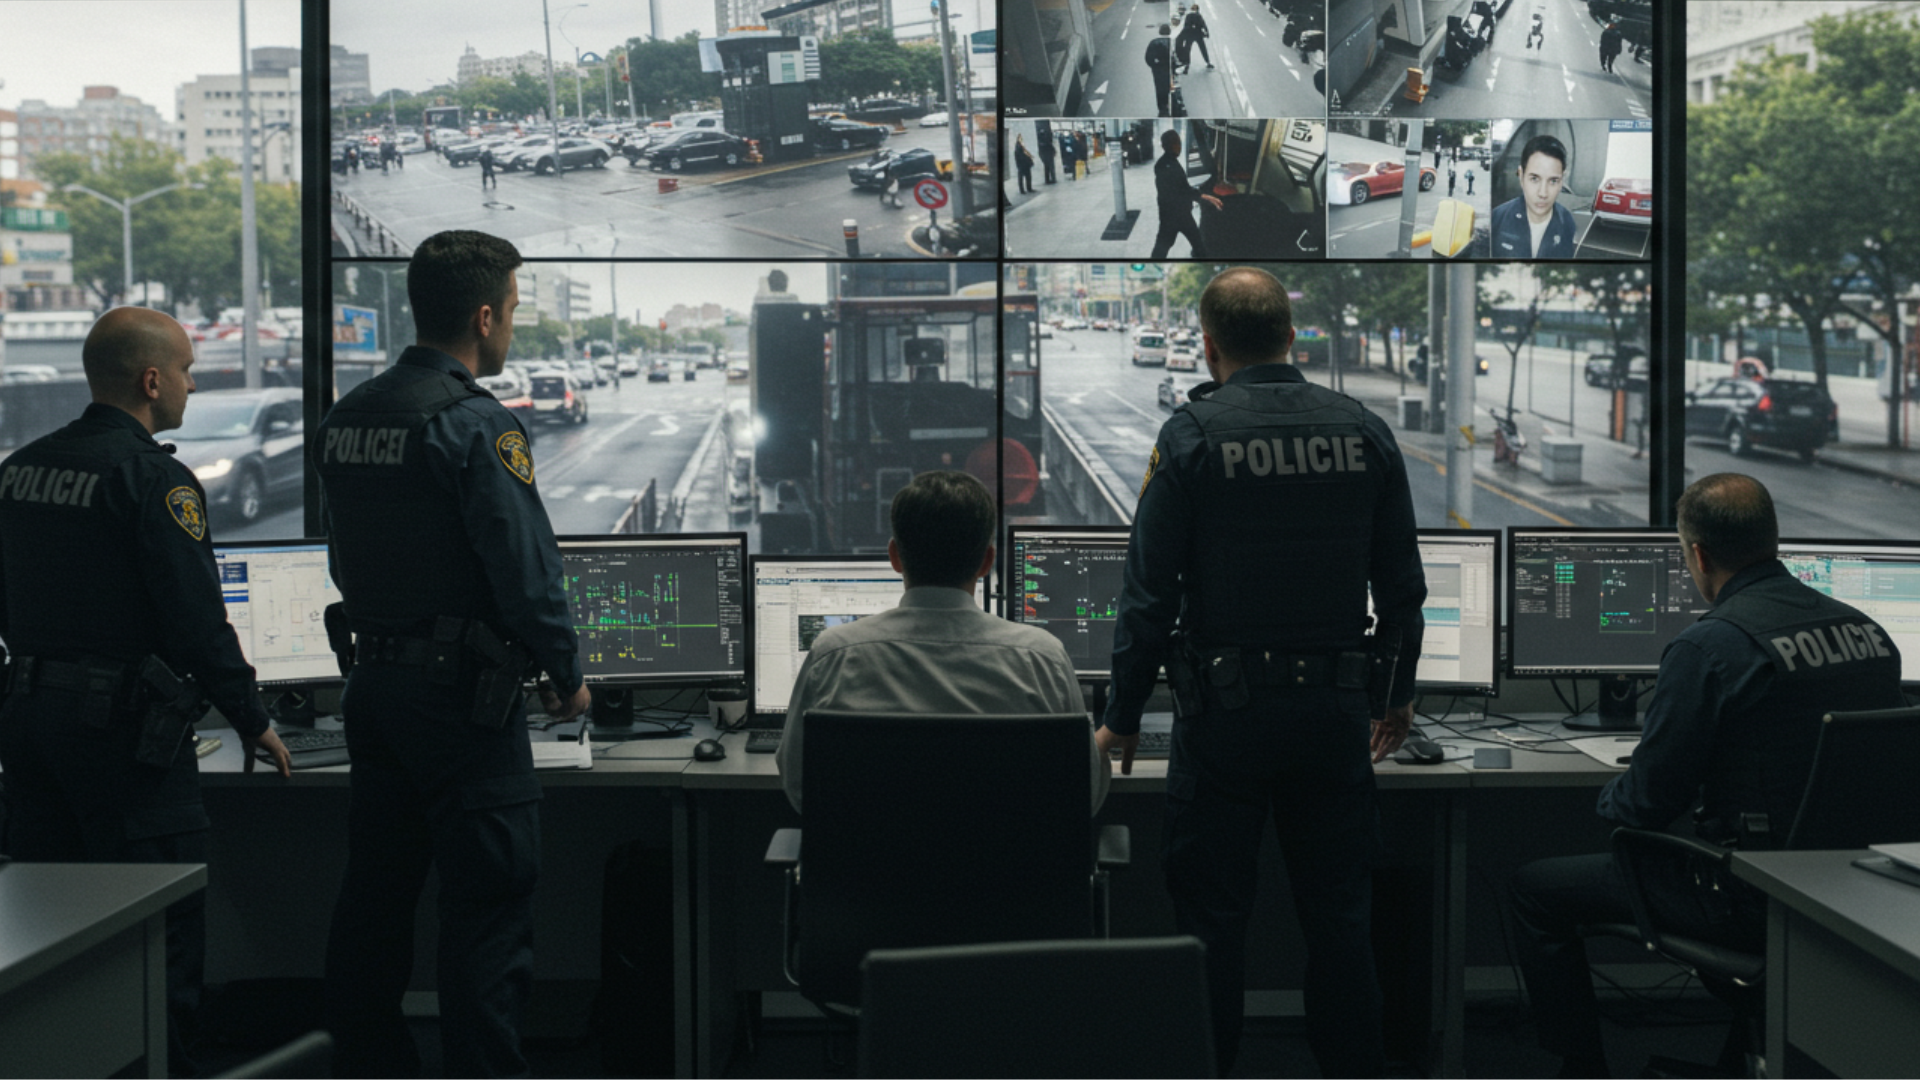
x=1880 y=577
x=796 y=598
x=1597 y=602
x=1066 y=580
x=277 y=592
x=1460 y=651
x=661 y=610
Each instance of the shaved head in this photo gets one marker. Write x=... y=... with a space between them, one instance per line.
x=123 y=344
x=1246 y=312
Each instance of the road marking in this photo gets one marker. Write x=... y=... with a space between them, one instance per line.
x=1127 y=435
x=1101 y=90
x=1155 y=417
x=1493 y=73
x=1568 y=76
x=1239 y=88
x=1095 y=105
x=585 y=451
x=1124 y=29
x=667 y=426
x=1262 y=33
x=559 y=492
x=1441 y=468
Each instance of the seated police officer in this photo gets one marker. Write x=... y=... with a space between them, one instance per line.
x=450 y=576
x=110 y=602
x=1731 y=729
x=939 y=651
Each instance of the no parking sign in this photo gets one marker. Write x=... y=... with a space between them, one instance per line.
x=930 y=193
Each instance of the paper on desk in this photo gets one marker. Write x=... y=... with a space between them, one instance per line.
x=564 y=754
x=1606 y=749
x=1907 y=855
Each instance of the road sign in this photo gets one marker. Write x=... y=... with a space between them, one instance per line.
x=356 y=330
x=930 y=193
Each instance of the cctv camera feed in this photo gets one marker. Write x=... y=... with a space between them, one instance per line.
x=671 y=130
x=1240 y=188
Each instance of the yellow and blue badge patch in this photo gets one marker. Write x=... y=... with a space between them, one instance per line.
x=1153 y=462
x=184 y=504
x=515 y=455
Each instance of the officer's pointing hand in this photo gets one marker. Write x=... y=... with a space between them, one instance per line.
x=1389 y=733
x=270 y=740
x=568 y=708
x=1105 y=738
x=1212 y=200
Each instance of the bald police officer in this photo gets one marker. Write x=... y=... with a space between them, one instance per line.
x=1731 y=728
x=1269 y=507
x=108 y=595
x=450 y=577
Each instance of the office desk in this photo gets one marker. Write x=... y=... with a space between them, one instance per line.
x=83 y=965
x=1843 y=964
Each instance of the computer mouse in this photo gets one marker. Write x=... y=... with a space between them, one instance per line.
x=1419 y=751
x=708 y=750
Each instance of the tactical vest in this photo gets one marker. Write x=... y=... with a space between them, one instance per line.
x=74 y=581
x=1284 y=521
x=403 y=550
x=1826 y=657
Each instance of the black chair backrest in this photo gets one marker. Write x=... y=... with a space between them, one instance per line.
x=939 y=830
x=1128 y=1007
x=308 y=1057
x=1858 y=792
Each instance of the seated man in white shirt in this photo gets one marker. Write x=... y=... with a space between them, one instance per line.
x=938 y=652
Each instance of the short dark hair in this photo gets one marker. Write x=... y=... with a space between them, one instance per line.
x=943 y=522
x=452 y=274
x=1544 y=144
x=1246 y=312
x=1166 y=28
x=1170 y=140
x=1730 y=515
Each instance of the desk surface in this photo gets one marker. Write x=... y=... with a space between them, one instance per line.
x=52 y=912
x=1875 y=913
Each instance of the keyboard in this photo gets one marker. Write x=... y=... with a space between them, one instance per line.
x=764 y=740
x=1154 y=745
x=312 y=748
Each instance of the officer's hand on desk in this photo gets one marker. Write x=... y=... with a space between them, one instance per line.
x=1106 y=740
x=278 y=749
x=564 y=709
x=1388 y=734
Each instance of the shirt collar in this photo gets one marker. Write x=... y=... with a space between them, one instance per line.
x=938 y=598
x=114 y=416
x=435 y=360
x=1278 y=371
x=1748 y=575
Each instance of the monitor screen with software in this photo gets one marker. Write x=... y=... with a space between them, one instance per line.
x=1586 y=602
x=663 y=609
x=1460 y=650
x=798 y=597
x=1066 y=580
x=1880 y=577
x=276 y=594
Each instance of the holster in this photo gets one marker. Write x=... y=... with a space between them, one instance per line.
x=1183 y=678
x=499 y=670
x=1383 y=660
x=339 y=635
x=1227 y=678
x=170 y=707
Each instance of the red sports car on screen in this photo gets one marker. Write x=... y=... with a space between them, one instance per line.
x=1356 y=181
x=1625 y=202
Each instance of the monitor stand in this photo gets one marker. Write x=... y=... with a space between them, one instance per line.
x=293 y=708
x=612 y=717
x=1619 y=708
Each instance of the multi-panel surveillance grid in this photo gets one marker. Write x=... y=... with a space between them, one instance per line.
x=277 y=592
x=1585 y=602
x=665 y=610
x=1880 y=577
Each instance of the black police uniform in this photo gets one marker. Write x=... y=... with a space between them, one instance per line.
x=1175 y=197
x=105 y=560
x=1269 y=506
x=1732 y=727
x=437 y=532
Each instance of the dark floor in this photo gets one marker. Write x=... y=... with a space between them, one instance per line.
x=1499 y=1043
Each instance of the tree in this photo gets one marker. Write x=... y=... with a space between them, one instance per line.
x=667 y=76
x=865 y=63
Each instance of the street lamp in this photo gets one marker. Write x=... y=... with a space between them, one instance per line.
x=579 y=107
x=126 y=226
x=553 y=104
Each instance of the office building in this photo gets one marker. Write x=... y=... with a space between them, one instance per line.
x=85 y=128
x=826 y=18
x=349 y=77
x=1725 y=33
x=209 y=108
x=553 y=294
x=532 y=62
x=9 y=145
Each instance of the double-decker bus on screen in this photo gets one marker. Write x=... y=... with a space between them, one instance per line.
x=895 y=375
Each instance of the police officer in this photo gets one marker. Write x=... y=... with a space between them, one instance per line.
x=1269 y=506
x=1731 y=729
x=99 y=518
x=450 y=577
x=1175 y=196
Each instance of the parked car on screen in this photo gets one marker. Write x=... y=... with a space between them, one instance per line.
x=904 y=166
x=558 y=396
x=934 y=119
x=1779 y=414
x=1183 y=358
x=1625 y=202
x=1355 y=182
x=845 y=135
x=1600 y=372
x=697 y=146
x=244 y=446
x=575 y=153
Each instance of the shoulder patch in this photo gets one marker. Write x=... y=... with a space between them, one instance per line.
x=184 y=504
x=515 y=455
x=1153 y=462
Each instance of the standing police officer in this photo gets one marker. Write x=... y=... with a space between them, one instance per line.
x=450 y=577
x=1269 y=506
x=109 y=593
x=1732 y=728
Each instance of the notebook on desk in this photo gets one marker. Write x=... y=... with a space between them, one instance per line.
x=564 y=753
x=1613 y=751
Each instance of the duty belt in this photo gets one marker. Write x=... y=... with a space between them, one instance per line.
x=28 y=673
x=406 y=651
x=1265 y=667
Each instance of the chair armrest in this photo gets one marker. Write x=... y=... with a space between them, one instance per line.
x=784 y=848
x=1114 y=848
x=1631 y=846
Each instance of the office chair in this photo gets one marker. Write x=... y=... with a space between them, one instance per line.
x=1861 y=765
x=1134 y=1007
x=309 y=1056
x=926 y=830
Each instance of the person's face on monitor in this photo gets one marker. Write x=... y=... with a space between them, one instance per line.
x=1540 y=180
